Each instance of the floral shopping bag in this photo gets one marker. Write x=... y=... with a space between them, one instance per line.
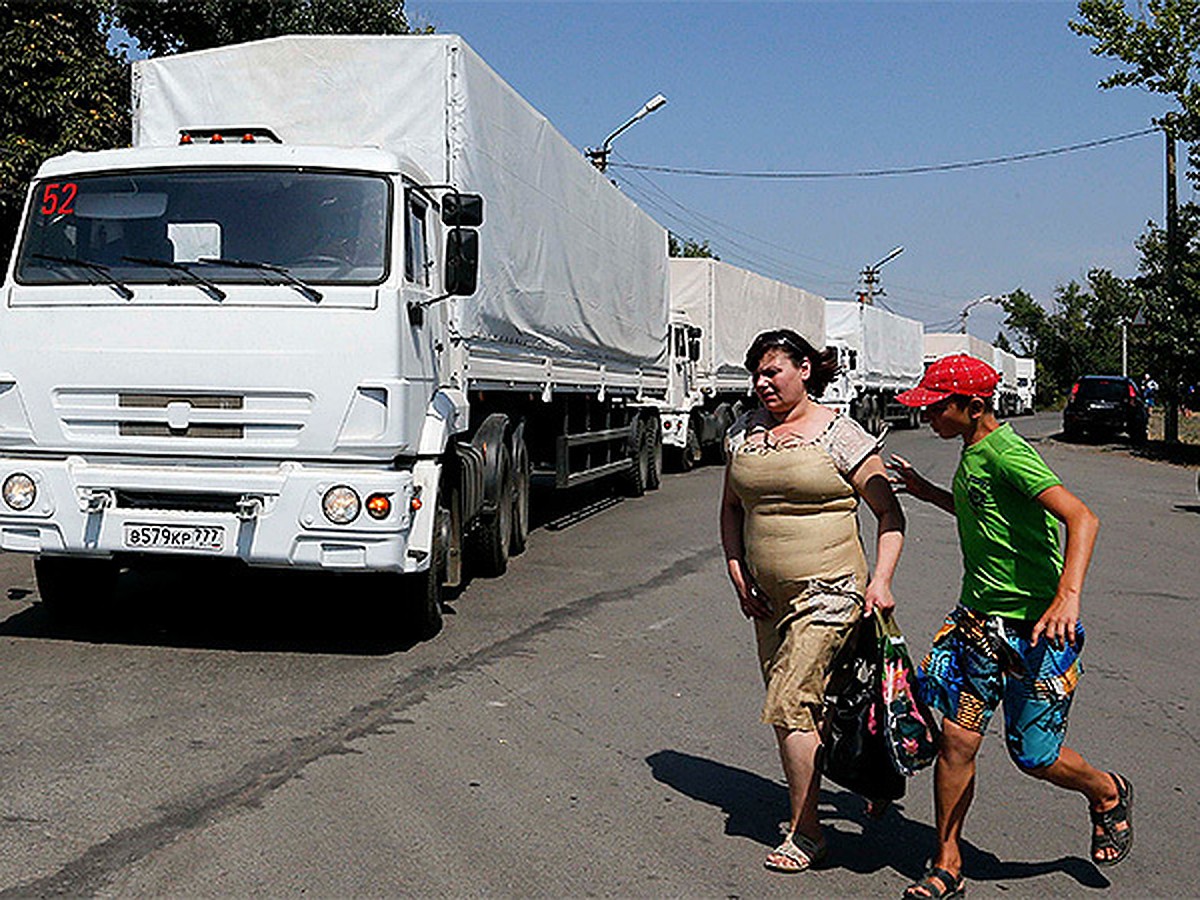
x=912 y=735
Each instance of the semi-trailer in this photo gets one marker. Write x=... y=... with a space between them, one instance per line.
x=344 y=301
x=716 y=311
x=880 y=354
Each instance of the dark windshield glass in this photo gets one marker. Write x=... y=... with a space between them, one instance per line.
x=1103 y=389
x=323 y=227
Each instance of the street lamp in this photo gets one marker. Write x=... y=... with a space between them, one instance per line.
x=984 y=299
x=599 y=158
x=870 y=277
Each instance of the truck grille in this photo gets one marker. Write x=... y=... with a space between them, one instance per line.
x=270 y=418
x=175 y=500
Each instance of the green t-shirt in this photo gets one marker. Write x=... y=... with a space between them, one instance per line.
x=1011 y=555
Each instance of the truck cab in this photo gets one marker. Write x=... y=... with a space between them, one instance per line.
x=193 y=362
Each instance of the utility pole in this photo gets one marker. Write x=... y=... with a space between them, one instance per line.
x=1171 y=411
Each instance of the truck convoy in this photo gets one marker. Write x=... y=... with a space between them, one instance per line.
x=1009 y=399
x=716 y=310
x=880 y=354
x=342 y=305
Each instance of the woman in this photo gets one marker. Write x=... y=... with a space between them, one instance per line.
x=789 y=527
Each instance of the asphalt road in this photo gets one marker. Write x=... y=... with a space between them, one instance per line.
x=586 y=725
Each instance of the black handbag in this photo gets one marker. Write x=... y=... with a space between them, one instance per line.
x=854 y=749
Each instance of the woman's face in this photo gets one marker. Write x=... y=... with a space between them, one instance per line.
x=779 y=382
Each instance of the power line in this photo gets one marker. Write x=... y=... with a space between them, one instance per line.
x=880 y=173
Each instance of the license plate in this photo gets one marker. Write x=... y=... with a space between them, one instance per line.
x=206 y=538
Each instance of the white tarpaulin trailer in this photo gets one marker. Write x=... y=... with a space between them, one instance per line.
x=939 y=344
x=569 y=266
x=889 y=347
x=732 y=306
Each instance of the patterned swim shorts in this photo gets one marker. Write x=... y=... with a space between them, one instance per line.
x=978 y=662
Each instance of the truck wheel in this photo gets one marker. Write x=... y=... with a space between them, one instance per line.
x=655 y=454
x=691 y=456
x=73 y=589
x=723 y=417
x=521 y=474
x=639 y=472
x=493 y=534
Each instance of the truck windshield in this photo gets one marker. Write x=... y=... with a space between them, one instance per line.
x=316 y=227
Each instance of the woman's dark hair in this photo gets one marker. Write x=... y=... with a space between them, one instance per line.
x=824 y=362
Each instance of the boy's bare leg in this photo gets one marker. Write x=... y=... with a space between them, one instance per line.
x=953 y=790
x=1073 y=772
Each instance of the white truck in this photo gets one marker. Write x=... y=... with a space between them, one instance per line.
x=338 y=307
x=880 y=354
x=1008 y=399
x=716 y=311
x=1026 y=385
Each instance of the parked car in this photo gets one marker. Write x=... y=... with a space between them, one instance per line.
x=1105 y=404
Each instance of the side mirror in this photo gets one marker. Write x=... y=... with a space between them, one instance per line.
x=694 y=344
x=462 y=210
x=462 y=262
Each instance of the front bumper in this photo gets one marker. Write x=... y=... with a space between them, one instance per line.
x=268 y=515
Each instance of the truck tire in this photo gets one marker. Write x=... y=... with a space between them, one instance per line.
x=655 y=455
x=74 y=589
x=521 y=475
x=416 y=615
x=691 y=455
x=722 y=419
x=639 y=450
x=492 y=537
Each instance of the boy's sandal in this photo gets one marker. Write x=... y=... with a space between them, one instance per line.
x=795 y=854
x=938 y=884
x=1106 y=835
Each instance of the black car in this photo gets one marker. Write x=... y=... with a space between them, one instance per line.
x=1105 y=405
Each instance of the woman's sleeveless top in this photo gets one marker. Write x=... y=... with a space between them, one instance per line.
x=800 y=510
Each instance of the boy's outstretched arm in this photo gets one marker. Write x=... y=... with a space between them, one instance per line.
x=1059 y=619
x=918 y=485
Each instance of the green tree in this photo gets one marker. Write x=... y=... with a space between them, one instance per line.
x=174 y=26
x=1171 y=351
x=1160 y=50
x=63 y=91
x=1160 y=47
x=1080 y=335
x=687 y=247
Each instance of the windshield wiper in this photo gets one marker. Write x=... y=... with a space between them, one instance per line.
x=123 y=290
x=199 y=280
x=309 y=292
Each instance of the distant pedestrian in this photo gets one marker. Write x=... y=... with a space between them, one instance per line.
x=1149 y=388
x=1015 y=638
x=789 y=527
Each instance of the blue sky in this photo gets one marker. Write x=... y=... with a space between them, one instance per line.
x=838 y=87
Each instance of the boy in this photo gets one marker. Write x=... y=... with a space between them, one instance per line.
x=1015 y=637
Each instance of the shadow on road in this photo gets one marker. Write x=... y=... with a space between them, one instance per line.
x=221 y=607
x=754 y=806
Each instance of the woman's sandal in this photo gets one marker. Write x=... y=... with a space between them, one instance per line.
x=1105 y=833
x=937 y=884
x=796 y=854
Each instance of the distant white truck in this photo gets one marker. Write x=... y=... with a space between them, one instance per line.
x=1026 y=385
x=716 y=311
x=880 y=355
x=1008 y=400
x=279 y=329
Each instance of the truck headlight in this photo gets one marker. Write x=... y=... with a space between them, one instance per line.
x=340 y=504
x=19 y=491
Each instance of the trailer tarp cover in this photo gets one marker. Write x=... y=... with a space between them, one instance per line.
x=734 y=305
x=569 y=265
x=889 y=346
x=939 y=344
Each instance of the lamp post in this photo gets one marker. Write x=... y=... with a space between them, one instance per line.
x=986 y=298
x=599 y=158
x=870 y=278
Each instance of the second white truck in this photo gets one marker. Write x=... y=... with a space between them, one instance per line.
x=717 y=309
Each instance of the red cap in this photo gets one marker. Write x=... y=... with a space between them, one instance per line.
x=957 y=374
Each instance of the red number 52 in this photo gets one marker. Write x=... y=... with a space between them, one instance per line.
x=59 y=198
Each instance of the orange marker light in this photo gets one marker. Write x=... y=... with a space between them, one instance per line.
x=379 y=506
x=415 y=503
